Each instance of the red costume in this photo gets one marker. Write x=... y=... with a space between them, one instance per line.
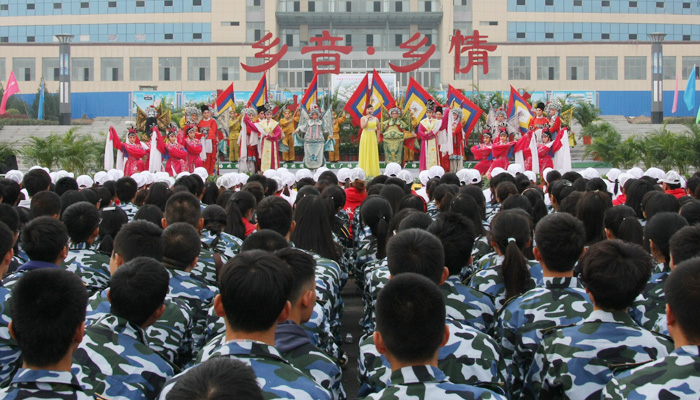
x=133 y=153
x=483 y=152
x=215 y=136
x=500 y=153
x=174 y=153
x=194 y=150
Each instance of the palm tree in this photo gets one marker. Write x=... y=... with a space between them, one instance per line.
x=42 y=151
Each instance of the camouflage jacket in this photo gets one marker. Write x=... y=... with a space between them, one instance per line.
x=277 y=378
x=206 y=269
x=649 y=308
x=44 y=384
x=9 y=350
x=576 y=362
x=428 y=382
x=195 y=292
x=92 y=267
x=562 y=301
x=675 y=376
x=114 y=360
x=227 y=245
x=130 y=209
x=469 y=357
x=482 y=247
x=432 y=209
x=490 y=281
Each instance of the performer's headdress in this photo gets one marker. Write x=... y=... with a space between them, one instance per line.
x=189 y=128
x=392 y=107
x=501 y=111
x=438 y=109
x=267 y=106
x=151 y=112
x=540 y=105
x=206 y=108
x=315 y=110
x=548 y=134
x=131 y=131
x=457 y=112
x=430 y=105
x=250 y=111
x=261 y=109
x=486 y=131
x=554 y=104
x=191 y=110
x=172 y=129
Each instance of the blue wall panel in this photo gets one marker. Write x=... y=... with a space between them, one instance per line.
x=102 y=104
x=636 y=103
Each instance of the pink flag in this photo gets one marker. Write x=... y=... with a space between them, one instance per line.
x=675 y=97
x=10 y=89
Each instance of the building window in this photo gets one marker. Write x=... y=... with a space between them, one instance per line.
x=633 y=4
x=348 y=39
x=168 y=36
x=428 y=6
x=659 y=4
x=686 y=38
x=85 y=4
x=520 y=35
x=669 y=67
x=49 y=68
x=370 y=40
x=196 y=3
x=687 y=66
x=633 y=36
x=297 y=6
x=549 y=35
x=578 y=35
x=686 y=5
x=57 y=6
x=253 y=76
x=2 y=69
x=169 y=68
x=112 y=4
x=312 y=6
x=140 y=3
x=168 y=3
x=577 y=68
x=197 y=36
x=519 y=2
x=398 y=6
x=605 y=36
x=398 y=39
x=82 y=69
x=31 y=6
x=605 y=3
x=4 y=7
x=4 y=39
x=548 y=68
x=549 y=3
x=578 y=3
x=254 y=31
x=635 y=68
x=519 y=68
x=198 y=68
x=23 y=68
x=31 y=39
x=141 y=69
x=348 y=6
x=377 y=6
x=228 y=68
x=494 y=70
x=606 y=68
x=112 y=69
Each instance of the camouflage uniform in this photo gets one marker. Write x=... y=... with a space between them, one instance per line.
x=649 y=308
x=575 y=362
x=227 y=245
x=206 y=270
x=114 y=360
x=490 y=281
x=130 y=209
x=432 y=209
x=92 y=267
x=482 y=247
x=562 y=301
x=44 y=384
x=276 y=376
x=9 y=350
x=428 y=382
x=469 y=357
x=675 y=376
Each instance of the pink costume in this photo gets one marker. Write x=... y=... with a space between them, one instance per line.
x=270 y=133
x=132 y=152
x=483 y=152
x=500 y=152
x=175 y=154
x=194 y=150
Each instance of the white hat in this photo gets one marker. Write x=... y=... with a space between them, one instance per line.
x=406 y=176
x=281 y=170
x=242 y=178
x=148 y=177
x=392 y=169
x=656 y=173
x=514 y=169
x=343 y=174
x=270 y=173
x=183 y=173
x=464 y=176
x=280 y=183
x=101 y=177
x=612 y=174
x=288 y=178
x=15 y=175
x=497 y=171
x=357 y=174
x=636 y=172
x=139 y=179
x=303 y=173
x=53 y=177
x=202 y=172
x=164 y=179
x=671 y=178
x=115 y=174
x=545 y=172
x=318 y=173
x=423 y=177
x=624 y=177
x=436 y=171
x=38 y=167
x=474 y=176
x=531 y=176
x=590 y=173
x=221 y=181
x=84 y=181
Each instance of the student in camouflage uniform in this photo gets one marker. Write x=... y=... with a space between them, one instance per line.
x=9 y=351
x=114 y=358
x=213 y=234
x=217 y=378
x=82 y=221
x=575 y=362
x=412 y=303
x=561 y=301
x=255 y=286
x=676 y=376
x=48 y=329
x=126 y=188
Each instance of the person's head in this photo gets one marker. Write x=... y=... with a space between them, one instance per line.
x=48 y=315
x=510 y=235
x=682 y=290
x=614 y=273
x=137 y=239
x=287 y=113
x=497 y=180
x=312 y=230
x=621 y=223
x=265 y=239
x=216 y=379
x=691 y=211
x=126 y=188
x=416 y=220
x=10 y=217
x=10 y=190
x=183 y=207
x=559 y=240
x=158 y=194
x=82 y=221
x=191 y=131
x=303 y=291
x=45 y=239
x=684 y=244
x=193 y=183
x=215 y=219
x=46 y=204
x=64 y=184
x=275 y=213
x=478 y=195
x=443 y=195
x=517 y=202
x=635 y=195
x=456 y=233
x=655 y=202
x=240 y=206
x=591 y=211
x=536 y=197
x=112 y=220
x=415 y=250
x=658 y=232
x=137 y=291
x=376 y=213
x=7 y=242
x=558 y=190
x=335 y=197
x=369 y=109
x=412 y=201
x=410 y=303
x=255 y=287
x=181 y=246
x=36 y=181
x=466 y=205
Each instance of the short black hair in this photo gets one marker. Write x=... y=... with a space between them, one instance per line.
x=216 y=379
x=417 y=220
x=91 y=196
x=569 y=204
x=256 y=188
x=682 y=289
x=7 y=239
x=150 y=213
x=685 y=244
x=411 y=303
x=104 y=195
x=552 y=176
x=691 y=211
x=274 y=213
x=68 y=198
x=139 y=239
x=656 y=202
x=559 y=238
x=137 y=289
x=456 y=233
x=255 y=286
x=505 y=190
x=181 y=245
x=660 y=229
x=47 y=307
x=418 y=251
x=11 y=191
x=303 y=268
x=615 y=273
x=65 y=184
x=265 y=239
x=183 y=207
x=571 y=176
x=126 y=188
x=9 y=216
x=560 y=189
x=45 y=203
x=43 y=239
x=81 y=220
x=35 y=181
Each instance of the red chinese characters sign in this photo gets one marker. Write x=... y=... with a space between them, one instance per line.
x=477 y=51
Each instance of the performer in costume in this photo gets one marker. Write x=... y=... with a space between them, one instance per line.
x=132 y=150
x=233 y=133
x=211 y=141
x=482 y=152
x=287 y=124
x=409 y=151
x=248 y=143
x=428 y=129
x=190 y=116
x=501 y=124
x=443 y=139
x=174 y=152
x=334 y=156
x=500 y=152
x=546 y=150
x=458 y=137
x=540 y=121
x=315 y=129
x=269 y=132
x=368 y=158
x=553 y=109
x=393 y=132
x=193 y=147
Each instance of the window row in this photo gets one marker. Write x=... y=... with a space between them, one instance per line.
x=605 y=6
x=86 y=7
x=360 y=5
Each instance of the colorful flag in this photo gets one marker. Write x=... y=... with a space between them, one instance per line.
x=381 y=95
x=357 y=102
x=675 y=98
x=471 y=112
x=11 y=88
x=40 y=110
x=311 y=94
x=518 y=105
x=689 y=94
x=225 y=99
x=259 y=96
x=416 y=99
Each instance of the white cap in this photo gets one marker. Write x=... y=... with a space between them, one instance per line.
x=423 y=177
x=159 y=177
x=672 y=178
x=139 y=179
x=181 y=174
x=288 y=178
x=436 y=171
x=53 y=177
x=392 y=169
x=636 y=172
x=656 y=173
x=531 y=176
x=303 y=173
x=545 y=172
x=624 y=177
x=464 y=176
x=15 y=175
x=474 y=176
x=318 y=173
x=242 y=178
x=148 y=177
x=406 y=176
x=101 y=177
x=115 y=174
x=280 y=183
x=270 y=173
x=514 y=169
x=84 y=181
x=221 y=181
x=497 y=171
x=590 y=173
x=202 y=172
x=38 y=167
x=357 y=174
x=343 y=174
x=282 y=170
x=612 y=174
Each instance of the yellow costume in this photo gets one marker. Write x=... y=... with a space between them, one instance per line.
x=334 y=156
x=234 y=131
x=287 y=126
x=409 y=153
x=369 y=150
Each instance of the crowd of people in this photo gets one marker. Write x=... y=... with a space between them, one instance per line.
x=157 y=287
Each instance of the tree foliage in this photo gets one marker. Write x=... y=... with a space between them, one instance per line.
x=72 y=151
